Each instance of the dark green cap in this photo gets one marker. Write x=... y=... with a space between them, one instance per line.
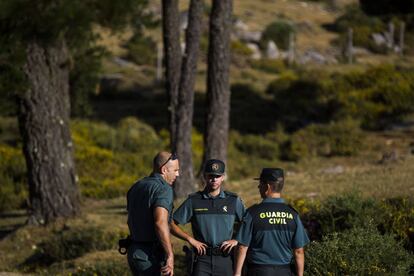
x=214 y=166
x=270 y=174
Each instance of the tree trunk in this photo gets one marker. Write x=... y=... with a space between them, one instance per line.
x=172 y=50
x=185 y=184
x=44 y=111
x=218 y=90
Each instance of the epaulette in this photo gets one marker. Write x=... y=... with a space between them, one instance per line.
x=230 y=194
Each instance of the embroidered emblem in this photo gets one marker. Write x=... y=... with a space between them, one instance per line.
x=225 y=209
x=215 y=167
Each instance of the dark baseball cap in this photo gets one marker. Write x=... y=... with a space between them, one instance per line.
x=270 y=174
x=214 y=166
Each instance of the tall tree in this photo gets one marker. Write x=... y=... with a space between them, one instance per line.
x=218 y=89
x=172 y=53
x=36 y=40
x=180 y=80
x=184 y=123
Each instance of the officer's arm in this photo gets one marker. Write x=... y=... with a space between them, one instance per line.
x=163 y=232
x=300 y=260
x=240 y=257
x=181 y=234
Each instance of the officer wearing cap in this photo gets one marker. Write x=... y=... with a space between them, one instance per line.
x=271 y=234
x=212 y=213
x=149 y=205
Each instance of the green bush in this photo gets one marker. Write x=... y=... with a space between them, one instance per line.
x=239 y=48
x=342 y=138
x=13 y=187
x=272 y=66
x=257 y=146
x=279 y=32
x=73 y=242
x=359 y=251
x=141 y=50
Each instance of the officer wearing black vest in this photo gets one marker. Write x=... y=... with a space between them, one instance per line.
x=272 y=234
x=212 y=213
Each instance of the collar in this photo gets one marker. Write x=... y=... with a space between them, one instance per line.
x=206 y=195
x=273 y=200
x=159 y=176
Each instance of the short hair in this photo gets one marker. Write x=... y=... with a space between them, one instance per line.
x=277 y=186
x=160 y=160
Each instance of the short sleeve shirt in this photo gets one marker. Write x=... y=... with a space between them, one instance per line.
x=142 y=198
x=212 y=218
x=271 y=230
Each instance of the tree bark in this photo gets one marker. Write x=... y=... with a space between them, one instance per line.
x=172 y=54
x=218 y=90
x=44 y=113
x=185 y=184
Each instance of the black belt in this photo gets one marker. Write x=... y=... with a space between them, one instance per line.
x=214 y=251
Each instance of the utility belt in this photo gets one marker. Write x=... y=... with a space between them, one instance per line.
x=124 y=244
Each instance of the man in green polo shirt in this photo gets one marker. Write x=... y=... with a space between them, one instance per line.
x=272 y=234
x=149 y=205
x=212 y=213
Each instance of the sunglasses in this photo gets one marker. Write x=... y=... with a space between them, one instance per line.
x=172 y=157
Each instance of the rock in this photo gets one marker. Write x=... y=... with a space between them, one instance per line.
x=124 y=63
x=312 y=56
x=272 y=52
x=334 y=170
x=379 y=39
x=256 y=54
x=249 y=36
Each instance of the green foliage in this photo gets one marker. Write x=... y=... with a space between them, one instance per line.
x=359 y=251
x=122 y=154
x=141 y=50
x=279 y=32
x=84 y=79
x=343 y=138
x=376 y=97
x=72 y=242
x=239 y=48
x=13 y=190
x=269 y=65
x=256 y=146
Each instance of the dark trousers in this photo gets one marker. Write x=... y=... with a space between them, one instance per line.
x=269 y=270
x=144 y=259
x=213 y=266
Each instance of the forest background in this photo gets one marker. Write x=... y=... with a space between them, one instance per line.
x=341 y=124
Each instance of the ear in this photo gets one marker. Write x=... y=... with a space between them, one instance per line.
x=268 y=189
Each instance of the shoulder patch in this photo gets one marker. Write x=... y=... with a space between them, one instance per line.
x=230 y=194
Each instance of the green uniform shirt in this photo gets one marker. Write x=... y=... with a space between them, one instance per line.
x=212 y=218
x=146 y=194
x=271 y=230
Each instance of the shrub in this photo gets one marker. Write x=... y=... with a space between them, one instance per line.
x=141 y=50
x=359 y=251
x=72 y=242
x=13 y=188
x=257 y=146
x=342 y=138
x=239 y=48
x=272 y=66
x=279 y=32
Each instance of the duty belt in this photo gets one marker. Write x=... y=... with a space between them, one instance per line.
x=215 y=251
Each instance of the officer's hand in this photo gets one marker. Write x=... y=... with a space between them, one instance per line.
x=199 y=246
x=226 y=246
x=168 y=268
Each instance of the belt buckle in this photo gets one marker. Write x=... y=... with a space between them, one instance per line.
x=216 y=251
